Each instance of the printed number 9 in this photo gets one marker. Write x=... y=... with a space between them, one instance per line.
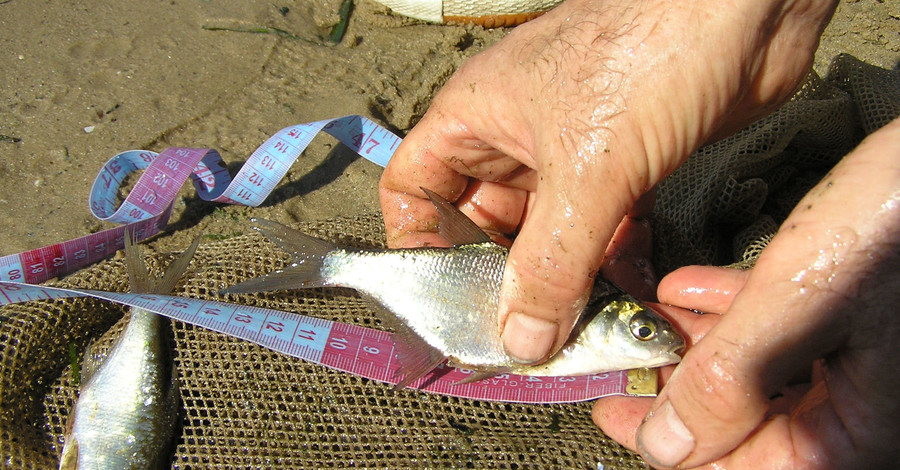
x=371 y=350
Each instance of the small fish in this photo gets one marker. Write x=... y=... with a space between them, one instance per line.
x=125 y=413
x=443 y=303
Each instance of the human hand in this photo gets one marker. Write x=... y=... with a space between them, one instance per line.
x=558 y=130
x=820 y=305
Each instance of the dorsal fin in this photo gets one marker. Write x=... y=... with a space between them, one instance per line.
x=453 y=225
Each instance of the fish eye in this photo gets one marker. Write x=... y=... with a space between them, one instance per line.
x=643 y=327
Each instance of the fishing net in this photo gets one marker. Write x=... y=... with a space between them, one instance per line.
x=243 y=406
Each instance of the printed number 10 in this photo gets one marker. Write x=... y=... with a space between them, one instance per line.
x=338 y=343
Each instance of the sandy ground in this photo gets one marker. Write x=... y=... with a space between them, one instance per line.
x=149 y=75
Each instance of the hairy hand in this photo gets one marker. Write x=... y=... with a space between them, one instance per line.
x=558 y=130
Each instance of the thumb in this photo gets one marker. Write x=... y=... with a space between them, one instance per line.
x=552 y=263
x=720 y=392
x=808 y=297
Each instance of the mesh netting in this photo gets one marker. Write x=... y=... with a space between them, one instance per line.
x=245 y=406
x=726 y=202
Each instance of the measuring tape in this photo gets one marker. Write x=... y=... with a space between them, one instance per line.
x=358 y=350
x=146 y=208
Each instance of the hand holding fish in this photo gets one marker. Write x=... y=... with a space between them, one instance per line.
x=822 y=297
x=558 y=130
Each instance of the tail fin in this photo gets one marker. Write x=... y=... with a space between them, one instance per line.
x=139 y=278
x=305 y=271
x=176 y=270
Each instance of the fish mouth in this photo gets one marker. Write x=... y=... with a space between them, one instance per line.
x=678 y=345
x=678 y=351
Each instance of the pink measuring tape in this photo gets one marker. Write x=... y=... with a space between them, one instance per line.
x=358 y=350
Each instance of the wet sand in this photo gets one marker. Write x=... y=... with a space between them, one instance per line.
x=82 y=82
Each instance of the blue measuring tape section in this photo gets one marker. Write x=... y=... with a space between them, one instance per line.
x=358 y=350
x=166 y=172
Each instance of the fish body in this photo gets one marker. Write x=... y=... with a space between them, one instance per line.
x=447 y=299
x=125 y=413
x=450 y=298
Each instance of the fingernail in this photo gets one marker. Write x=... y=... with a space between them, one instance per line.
x=663 y=439
x=528 y=339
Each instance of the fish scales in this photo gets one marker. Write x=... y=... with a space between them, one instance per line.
x=127 y=407
x=434 y=291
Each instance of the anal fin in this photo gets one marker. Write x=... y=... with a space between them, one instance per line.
x=416 y=363
x=416 y=357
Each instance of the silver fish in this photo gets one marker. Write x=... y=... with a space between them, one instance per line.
x=446 y=301
x=125 y=413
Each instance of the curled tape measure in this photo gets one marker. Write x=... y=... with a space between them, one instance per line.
x=149 y=201
x=362 y=351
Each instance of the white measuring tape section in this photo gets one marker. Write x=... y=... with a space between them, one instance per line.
x=361 y=351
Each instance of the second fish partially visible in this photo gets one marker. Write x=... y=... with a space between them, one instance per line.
x=126 y=409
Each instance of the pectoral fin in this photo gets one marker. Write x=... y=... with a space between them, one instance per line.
x=69 y=458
